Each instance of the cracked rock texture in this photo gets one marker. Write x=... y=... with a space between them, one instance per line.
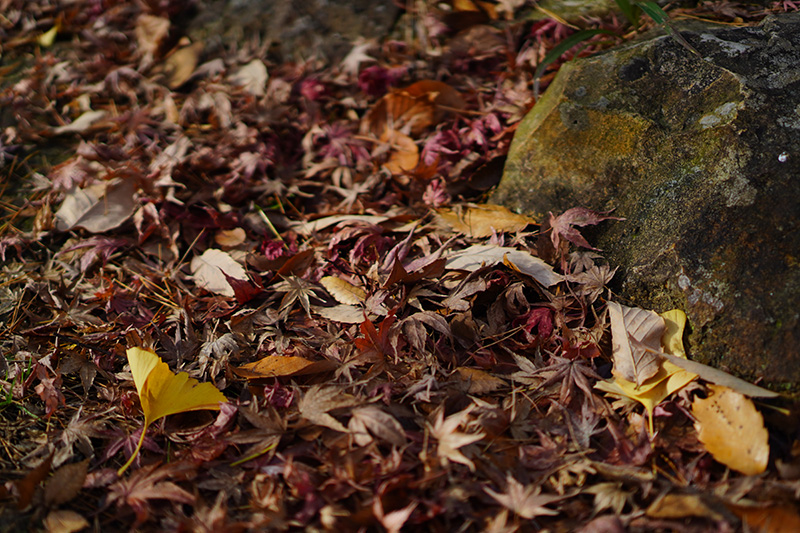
x=702 y=158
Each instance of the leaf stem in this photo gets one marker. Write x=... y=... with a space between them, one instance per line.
x=134 y=454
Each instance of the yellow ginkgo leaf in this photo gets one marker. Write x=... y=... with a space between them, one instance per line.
x=163 y=393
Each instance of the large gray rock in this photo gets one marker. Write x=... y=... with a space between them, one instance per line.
x=702 y=157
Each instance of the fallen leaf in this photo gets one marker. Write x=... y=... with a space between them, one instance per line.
x=669 y=379
x=373 y=420
x=562 y=225
x=97 y=208
x=483 y=220
x=47 y=39
x=485 y=255
x=717 y=376
x=632 y=330
x=319 y=400
x=150 y=31
x=273 y=366
x=404 y=153
x=672 y=506
x=525 y=500
x=163 y=393
x=27 y=485
x=180 y=66
x=732 y=430
x=65 y=483
x=412 y=109
x=768 y=519
x=347 y=314
x=80 y=124
x=252 y=77
x=307 y=228
x=478 y=381
x=64 y=521
x=343 y=291
x=230 y=237
x=444 y=430
x=209 y=271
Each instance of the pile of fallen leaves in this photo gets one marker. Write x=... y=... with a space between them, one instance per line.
x=244 y=295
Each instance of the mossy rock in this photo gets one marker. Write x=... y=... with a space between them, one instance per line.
x=701 y=157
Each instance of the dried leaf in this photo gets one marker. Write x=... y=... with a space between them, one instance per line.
x=210 y=269
x=484 y=255
x=97 y=208
x=444 y=431
x=343 y=291
x=64 y=521
x=632 y=330
x=732 y=430
x=483 y=220
x=562 y=225
x=404 y=154
x=163 y=393
x=65 y=483
x=180 y=66
x=671 y=506
x=316 y=403
x=252 y=77
x=525 y=500
x=413 y=109
x=80 y=124
x=277 y=366
x=151 y=31
x=714 y=375
x=478 y=381
x=230 y=237
x=769 y=518
x=347 y=314
x=307 y=228
x=379 y=423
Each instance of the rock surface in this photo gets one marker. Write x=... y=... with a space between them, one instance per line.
x=296 y=30
x=702 y=157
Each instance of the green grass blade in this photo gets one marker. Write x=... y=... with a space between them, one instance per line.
x=629 y=10
x=655 y=12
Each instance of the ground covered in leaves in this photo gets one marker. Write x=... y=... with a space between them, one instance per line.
x=307 y=239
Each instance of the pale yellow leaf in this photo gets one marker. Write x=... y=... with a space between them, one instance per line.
x=732 y=430
x=252 y=77
x=97 y=208
x=343 y=291
x=481 y=220
x=209 y=270
x=163 y=393
x=150 y=33
x=672 y=339
x=47 y=39
x=633 y=332
x=64 y=521
x=230 y=237
x=484 y=255
x=180 y=66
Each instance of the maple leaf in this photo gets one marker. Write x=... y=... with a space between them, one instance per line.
x=319 y=400
x=297 y=290
x=444 y=431
x=163 y=393
x=525 y=500
x=146 y=484
x=563 y=225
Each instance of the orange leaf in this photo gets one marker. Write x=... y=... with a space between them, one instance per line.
x=770 y=519
x=732 y=430
x=412 y=109
x=343 y=291
x=404 y=156
x=278 y=365
x=163 y=393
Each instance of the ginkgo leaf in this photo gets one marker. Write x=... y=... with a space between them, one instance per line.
x=668 y=379
x=163 y=393
x=632 y=330
x=732 y=430
x=343 y=291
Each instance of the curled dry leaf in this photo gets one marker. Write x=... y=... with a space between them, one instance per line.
x=412 y=109
x=404 y=153
x=150 y=34
x=732 y=430
x=485 y=255
x=180 y=66
x=483 y=220
x=632 y=331
x=210 y=270
x=81 y=124
x=343 y=291
x=252 y=77
x=97 y=208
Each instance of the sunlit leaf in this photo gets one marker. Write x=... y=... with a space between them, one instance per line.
x=343 y=291
x=732 y=430
x=210 y=269
x=482 y=220
x=163 y=393
x=632 y=330
x=485 y=255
